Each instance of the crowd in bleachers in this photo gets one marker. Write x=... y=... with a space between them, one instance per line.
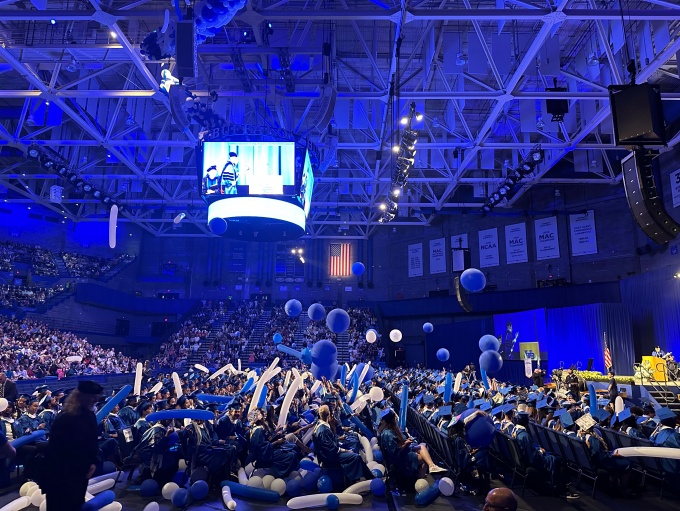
x=360 y=350
x=30 y=349
x=39 y=259
x=80 y=265
x=13 y=297
x=235 y=334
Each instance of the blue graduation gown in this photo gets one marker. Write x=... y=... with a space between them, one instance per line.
x=603 y=459
x=668 y=437
x=327 y=449
x=25 y=425
x=47 y=417
x=128 y=415
x=207 y=450
x=402 y=459
x=282 y=462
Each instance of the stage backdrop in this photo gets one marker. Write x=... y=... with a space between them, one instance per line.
x=574 y=334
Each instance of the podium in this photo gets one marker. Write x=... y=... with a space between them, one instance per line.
x=656 y=366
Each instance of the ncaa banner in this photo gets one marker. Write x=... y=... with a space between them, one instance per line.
x=438 y=255
x=528 y=371
x=488 y=248
x=547 y=239
x=415 y=260
x=516 y=243
x=583 y=234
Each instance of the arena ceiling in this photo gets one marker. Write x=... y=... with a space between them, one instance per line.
x=72 y=79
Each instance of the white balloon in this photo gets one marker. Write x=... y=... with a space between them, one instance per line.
x=23 y=491
x=43 y=506
x=376 y=394
x=374 y=441
x=255 y=482
x=3 y=404
x=152 y=506
x=114 y=506
x=380 y=467
x=168 y=490
x=446 y=486
x=395 y=335
x=371 y=337
x=33 y=490
x=279 y=486
x=37 y=498
x=267 y=481
x=371 y=465
x=422 y=485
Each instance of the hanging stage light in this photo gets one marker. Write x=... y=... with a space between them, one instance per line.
x=33 y=152
x=46 y=162
x=87 y=187
x=62 y=170
x=97 y=194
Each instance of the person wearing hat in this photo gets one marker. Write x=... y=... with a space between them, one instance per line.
x=613 y=387
x=399 y=452
x=207 y=450
x=71 y=453
x=463 y=459
x=266 y=450
x=331 y=455
x=572 y=382
x=142 y=425
x=128 y=414
x=666 y=436
x=50 y=408
x=155 y=453
x=29 y=421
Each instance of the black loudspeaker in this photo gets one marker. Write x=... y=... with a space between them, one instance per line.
x=558 y=108
x=590 y=364
x=185 y=62
x=643 y=197
x=637 y=115
x=462 y=297
x=123 y=327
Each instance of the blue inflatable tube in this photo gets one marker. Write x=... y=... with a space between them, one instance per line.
x=485 y=379
x=427 y=497
x=448 y=387
x=113 y=402
x=203 y=415
x=28 y=439
x=289 y=351
x=343 y=375
x=210 y=398
x=241 y=490
x=249 y=385
x=263 y=398
x=593 y=398
x=99 y=501
x=178 y=11
x=403 y=407
x=355 y=386
x=307 y=464
x=362 y=427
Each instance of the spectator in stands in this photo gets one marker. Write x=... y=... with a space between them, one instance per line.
x=40 y=260
x=8 y=389
x=80 y=265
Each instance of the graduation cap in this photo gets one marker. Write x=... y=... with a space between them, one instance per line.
x=532 y=398
x=444 y=410
x=534 y=387
x=600 y=415
x=213 y=407
x=419 y=397
x=566 y=420
x=602 y=402
x=161 y=405
x=505 y=390
x=428 y=399
x=41 y=388
x=384 y=413
x=507 y=408
x=485 y=407
x=665 y=413
x=479 y=402
x=497 y=410
x=522 y=415
x=441 y=389
x=624 y=414
x=542 y=404
x=512 y=399
x=465 y=386
x=640 y=420
x=455 y=420
x=559 y=412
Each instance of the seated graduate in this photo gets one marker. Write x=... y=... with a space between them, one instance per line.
x=414 y=460
x=141 y=425
x=155 y=452
x=29 y=421
x=331 y=455
x=464 y=459
x=216 y=455
x=267 y=449
x=229 y=427
x=129 y=414
x=666 y=436
x=109 y=431
x=50 y=406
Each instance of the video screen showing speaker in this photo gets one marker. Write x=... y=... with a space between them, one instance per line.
x=307 y=186
x=248 y=168
x=516 y=328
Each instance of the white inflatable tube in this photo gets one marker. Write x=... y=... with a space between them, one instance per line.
x=26 y=487
x=178 y=384
x=360 y=487
x=152 y=506
x=258 y=391
x=16 y=505
x=201 y=367
x=219 y=372
x=287 y=401
x=138 y=379
x=239 y=365
x=101 y=486
x=364 y=372
x=273 y=364
x=113 y=222
x=242 y=477
x=114 y=506
x=88 y=496
x=351 y=372
x=366 y=446
x=618 y=405
x=273 y=373
x=307 y=437
x=315 y=387
x=157 y=387
x=456 y=384
x=112 y=475
x=166 y=21
x=648 y=452
x=359 y=402
x=319 y=500
x=296 y=374
x=229 y=502
x=286 y=382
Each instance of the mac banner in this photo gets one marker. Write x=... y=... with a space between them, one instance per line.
x=547 y=239
x=516 y=243
x=488 y=248
x=583 y=234
x=438 y=255
x=415 y=260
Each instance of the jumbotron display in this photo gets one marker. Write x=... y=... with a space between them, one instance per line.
x=256 y=188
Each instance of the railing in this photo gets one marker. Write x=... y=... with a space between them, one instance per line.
x=647 y=374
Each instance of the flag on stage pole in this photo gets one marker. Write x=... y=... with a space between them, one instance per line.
x=607 y=356
x=340 y=260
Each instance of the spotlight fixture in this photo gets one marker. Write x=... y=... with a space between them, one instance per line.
x=537 y=155
x=106 y=199
x=593 y=60
x=383 y=207
x=540 y=123
x=113 y=34
x=46 y=162
x=87 y=188
x=97 y=194
x=461 y=59
x=396 y=191
x=129 y=122
x=677 y=275
x=73 y=178
x=30 y=120
x=33 y=152
x=181 y=216
x=419 y=116
x=404 y=121
x=62 y=171
x=53 y=22
x=396 y=149
x=71 y=67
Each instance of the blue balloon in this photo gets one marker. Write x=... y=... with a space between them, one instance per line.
x=199 y=490
x=306 y=356
x=428 y=328
x=217 y=225
x=99 y=501
x=277 y=338
x=293 y=308
x=337 y=321
x=324 y=353
x=377 y=487
x=473 y=280
x=480 y=430
x=376 y=472
x=358 y=268
x=491 y=361
x=307 y=464
x=442 y=354
x=369 y=374
x=180 y=497
x=329 y=372
x=208 y=14
x=316 y=312
x=332 y=501
x=377 y=455
x=149 y=488
x=309 y=481
x=180 y=478
x=324 y=484
x=489 y=342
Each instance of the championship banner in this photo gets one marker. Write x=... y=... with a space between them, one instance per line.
x=488 y=248
x=516 y=243
x=438 y=255
x=583 y=234
x=547 y=239
x=415 y=260
x=675 y=187
x=459 y=241
x=528 y=370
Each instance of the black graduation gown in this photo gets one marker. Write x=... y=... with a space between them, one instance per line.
x=71 y=450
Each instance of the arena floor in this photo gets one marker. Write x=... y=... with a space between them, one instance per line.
x=649 y=501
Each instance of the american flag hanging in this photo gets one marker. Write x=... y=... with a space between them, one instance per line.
x=340 y=260
x=607 y=356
